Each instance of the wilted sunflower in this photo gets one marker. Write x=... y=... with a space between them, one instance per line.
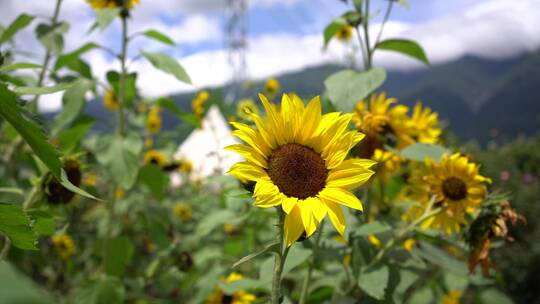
x=238 y=297
x=457 y=187
x=182 y=211
x=155 y=157
x=345 y=33
x=109 y=101
x=64 y=245
x=296 y=157
x=55 y=192
x=153 y=121
x=271 y=87
x=245 y=108
x=424 y=125
x=102 y=4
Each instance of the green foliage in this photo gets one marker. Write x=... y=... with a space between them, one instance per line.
x=347 y=87
x=421 y=152
x=43 y=90
x=19 y=66
x=16 y=225
x=104 y=18
x=374 y=281
x=18 y=24
x=103 y=290
x=155 y=179
x=158 y=36
x=51 y=36
x=18 y=288
x=404 y=46
x=168 y=65
x=331 y=29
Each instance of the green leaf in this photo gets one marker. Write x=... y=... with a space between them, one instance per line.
x=104 y=18
x=273 y=247
x=19 y=66
x=66 y=59
x=213 y=220
x=43 y=223
x=404 y=46
x=69 y=138
x=188 y=118
x=358 y=4
x=297 y=255
x=103 y=290
x=31 y=133
x=119 y=253
x=64 y=181
x=331 y=29
x=374 y=281
x=346 y=88
x=15 y=287
x=43 y=90
x=243 y=284
x=372 y=228
x=113 y=78
x=121 y=157
x=494 y=296
x=21 y=22
x=73 y=104
x=15 y=224
x=153 y=34
x=155 y=179
x=51 y=36
x=441 y=258
x=421 y=151
x=168 y=65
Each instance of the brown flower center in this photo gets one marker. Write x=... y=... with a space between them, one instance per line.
x=297 y=171
x=454 y=188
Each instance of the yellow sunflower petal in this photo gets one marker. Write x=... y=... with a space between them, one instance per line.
x=247 y=171
x=340 y=196
x=307 y=218
x=336 y=216
x=293 y=226
x=288 y=204
x=249 y=153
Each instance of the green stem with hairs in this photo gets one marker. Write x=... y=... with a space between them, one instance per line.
x=122 y=84
x=307 y=279
x=280 y=259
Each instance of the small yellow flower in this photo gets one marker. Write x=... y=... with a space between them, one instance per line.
x=153 y=121
x=90 y=179
x=453 y=297
x=148 y=142
x=345 y=33
x=155 y=157
x=102 y=4
x=347 y=260
x=238 y=297
x=388 y=163
x=197 y=104
x=119 y=193
x=110 y=101
x=424 y=125
x=186 y=166
x=64 y=245
x=245 y=109
x=271 y=87
x=229 y=228
x=408 y=244
x=182 y=211
x=374 y=240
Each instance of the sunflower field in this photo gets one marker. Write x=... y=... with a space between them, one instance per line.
x=347 y=196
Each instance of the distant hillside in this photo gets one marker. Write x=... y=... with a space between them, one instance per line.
x=477 y=97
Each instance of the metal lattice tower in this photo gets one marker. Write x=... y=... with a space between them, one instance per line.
x=236 y=44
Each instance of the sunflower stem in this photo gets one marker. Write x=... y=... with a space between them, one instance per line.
x=280 y=259
x=307 y=279
x=122 y=84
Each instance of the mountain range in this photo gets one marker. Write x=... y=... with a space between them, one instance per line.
x=478 y=99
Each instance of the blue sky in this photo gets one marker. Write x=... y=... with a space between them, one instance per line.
x=286 y=35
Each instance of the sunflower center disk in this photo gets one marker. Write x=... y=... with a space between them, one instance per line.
x=297 y=171
x=454 y=188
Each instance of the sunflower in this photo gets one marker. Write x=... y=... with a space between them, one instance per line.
x=245 y=108
x=424 y=125
x=197 y=104
x=271 y=87
x=296 y=157
x=64 y=245
x=457 y=187
x=388 y=162
x=408 y=244
x=102 y=4
x=186 y=166
x=344 y=34
x=155 y=157
x=182 y=211
x=153 y=121
x=109 y=101
x=238 y=297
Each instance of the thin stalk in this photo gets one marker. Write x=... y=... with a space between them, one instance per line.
x=362 y=48
x=280 y=259
x=47 y=59
x=392 y=242
x=5 y=249
x=366 y=35
x=122 y=84
x=385 y=19
x=307 y=279
x=31 y=197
